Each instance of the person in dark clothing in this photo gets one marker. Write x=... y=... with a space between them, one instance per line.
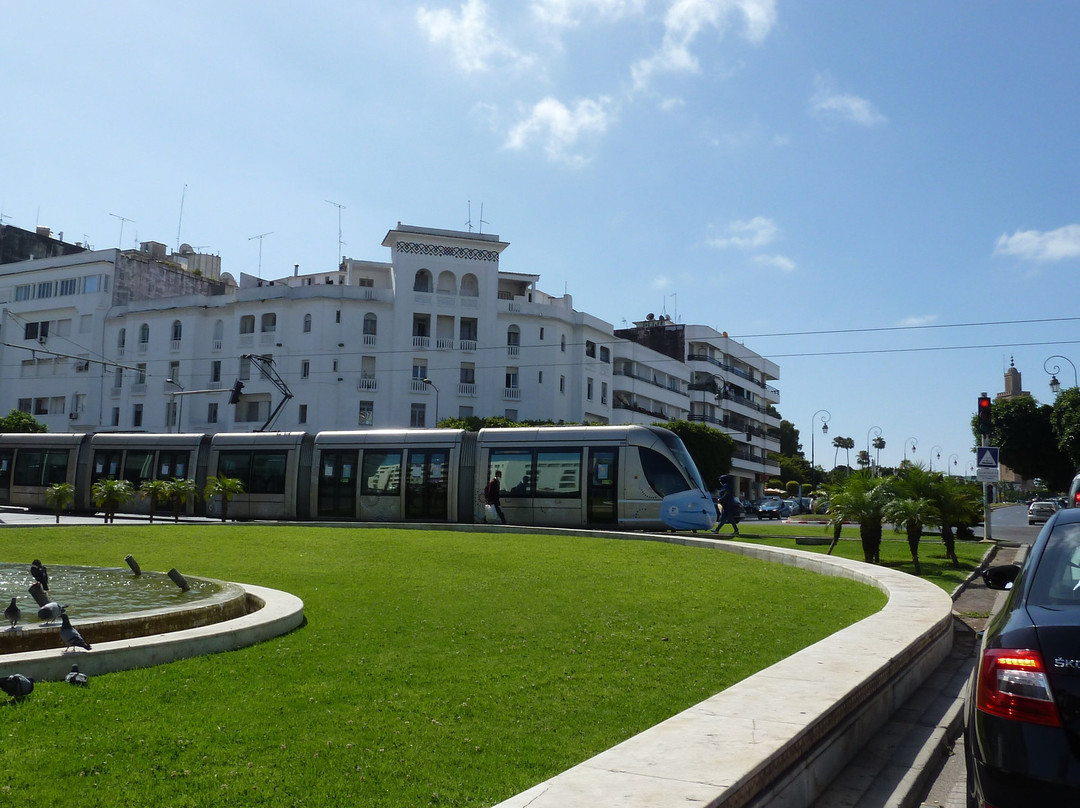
x=493 y=494
x=729 y=507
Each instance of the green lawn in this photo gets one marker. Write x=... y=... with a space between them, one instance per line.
x=435 y=668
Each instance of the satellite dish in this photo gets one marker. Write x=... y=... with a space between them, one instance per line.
x=186 y=249
x=650 y=316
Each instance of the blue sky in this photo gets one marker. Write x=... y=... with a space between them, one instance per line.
x=815 y=178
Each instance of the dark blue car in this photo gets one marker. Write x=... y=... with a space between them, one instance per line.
x=1022 y=718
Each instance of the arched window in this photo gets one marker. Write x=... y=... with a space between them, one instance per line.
x=562 y=343
x=268 y=323
x=177 y=330
x=513 y=336
x=219 y=330
x=121 y=340
x=144 y=334
x=371 y=323
x=307 y=323
x=470 y=287
x=447 y=283
x=422 y=283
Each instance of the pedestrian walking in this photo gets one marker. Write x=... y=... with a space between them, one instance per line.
x=730 y=512
x=493 y=494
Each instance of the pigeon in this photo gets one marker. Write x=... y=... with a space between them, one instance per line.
x=70 y=635
x=76 y=677
x=17 y=686
x=40 y=574
x=12 y=613
x=50 y=612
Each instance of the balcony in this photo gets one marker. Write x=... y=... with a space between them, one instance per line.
x=174 y=345
x=466 y=389
x=422 y=343
x=418 y=386
x=142 y=347
x=215 y=345
x=512 y=393
x=513 y=350
x=444 y=343
x=467 y=345
x=367 y=383
x=370 y=339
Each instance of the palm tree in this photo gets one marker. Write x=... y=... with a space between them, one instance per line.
x=849 y=444
x=958 y=506
x=155 y=491
x=109 y=494
x=863 y=458
x=226 y=488
x=59 y=497
x=180 y=490
x=861 y=498
x=879 y=444
x=911 y=514
x=838 y=444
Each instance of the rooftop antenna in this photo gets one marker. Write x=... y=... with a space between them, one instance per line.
x=260 y=237
x=180 y=221
x=483 y=221
x=468 y=222
x=120 y=243
x=341 y=255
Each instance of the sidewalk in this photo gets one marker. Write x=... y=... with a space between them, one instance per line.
x=898 y=767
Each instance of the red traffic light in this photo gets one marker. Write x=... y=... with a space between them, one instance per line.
x=984 y=415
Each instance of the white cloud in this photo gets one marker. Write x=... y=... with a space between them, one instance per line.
x=569 y=13
x=830 y=104
x=472 y=41
x=559 y=128
x=1036 y=245
x=669 y=104
x=748 y=235
x=781 y=262
x=918 y=320
x=685 y=19
x=661 y=282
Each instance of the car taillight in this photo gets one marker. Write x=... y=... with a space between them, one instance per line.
x=1013 y=684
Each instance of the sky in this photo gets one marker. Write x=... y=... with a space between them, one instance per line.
x=880 y=197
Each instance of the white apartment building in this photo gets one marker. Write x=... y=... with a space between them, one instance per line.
x=146 y=340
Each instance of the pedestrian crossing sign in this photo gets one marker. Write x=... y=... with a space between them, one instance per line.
x=987 y=469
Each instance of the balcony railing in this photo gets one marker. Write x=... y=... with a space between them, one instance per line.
x=216 y=345
x=466 y=345
x=513 y=350
x=368 y=383
x=512 y=393
x=466 y=389
x=174 y=345
x=444 y=343
x=421 y=342
x=371 y=339
x=418 y=386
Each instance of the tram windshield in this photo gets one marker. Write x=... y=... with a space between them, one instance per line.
x=680 y=456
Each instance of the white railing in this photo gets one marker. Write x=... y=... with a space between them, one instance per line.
x=421 y=342
x=466 y=389
x=366 y=383
x=174 y=345
x=216 y=345
x=466 y=345
x=120 y=352
x=371 y=339
x=418 y=386
x=513 y=350
x=444 y=343
x=512 y=393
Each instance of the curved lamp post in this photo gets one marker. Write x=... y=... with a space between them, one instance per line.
x=955 y=458
x=914 y=442
x=932 y=455
x=430 y=383
x=180 y=408
x=876 y=431
x=1055 y=385
x=825 y=416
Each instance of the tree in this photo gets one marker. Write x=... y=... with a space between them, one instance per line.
x=1024 y=431
x=156 y=491
x=879 y=444
x=109 y=494
x=59 y=497
x=224 y=487
x=959 y=505
x=1065 y=419
x=789 y=440
x=863 y=458
x=180 y=490
x=860 y=498
x=709 y=448
x=17 y=421
x=914 y=506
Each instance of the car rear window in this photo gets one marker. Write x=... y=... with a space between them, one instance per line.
x=1057 y=578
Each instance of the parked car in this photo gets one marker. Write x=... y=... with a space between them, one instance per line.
x=1022 y=717
x=773 y=508
x=1041 y=510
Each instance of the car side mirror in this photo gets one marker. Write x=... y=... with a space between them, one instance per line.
x=1001 y=577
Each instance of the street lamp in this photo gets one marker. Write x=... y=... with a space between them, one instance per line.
x=876 y=432
x=432 y=384
x=954 y=457
x=825 y=416
x=180 y=410
x=914 y=442
x=1055 y=385
x=932 y=448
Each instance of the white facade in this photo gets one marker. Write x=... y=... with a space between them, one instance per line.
x=437 y=331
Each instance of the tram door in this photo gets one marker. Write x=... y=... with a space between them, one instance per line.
x=337 y=483
x=426 y=484
x=603 y=490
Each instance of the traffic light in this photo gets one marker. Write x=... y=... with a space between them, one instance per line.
x=234 y=396
x=984 y=415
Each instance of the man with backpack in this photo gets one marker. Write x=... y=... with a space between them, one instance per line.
x=492 y=494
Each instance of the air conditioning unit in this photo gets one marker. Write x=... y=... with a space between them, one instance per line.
x=74 y=416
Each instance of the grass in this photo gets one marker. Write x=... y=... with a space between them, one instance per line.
x=435 y=668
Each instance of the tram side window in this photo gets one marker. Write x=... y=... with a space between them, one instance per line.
x=5 y=468
x=138 y=466
x=664 y=477
x=380 y=473
x=172 y=464
x=261 y=472
x=558 y=473
x=40 y=467
x=106 y=464
x=516 y=466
